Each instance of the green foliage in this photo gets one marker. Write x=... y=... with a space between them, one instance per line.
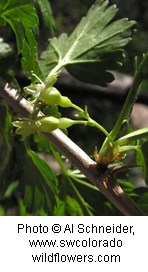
x=143 y=202
x=21 y=16
x=144 y=159
x=37 y=182
x=93 y=49
x=29 y=51
x=6 y=147
x=95 y=45
x=46 y=11
x=69 y=206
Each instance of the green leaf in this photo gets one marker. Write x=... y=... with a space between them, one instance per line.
x=6 y=147
x=46 y=12
x=131 y=97
x=141 y=161
x=29 y=59
x=10 y=189
x=92 y=72
x=144 y=149
x=69 y=206
x=37 y=182
x=43 y=145
x=70 y=200
x=20 y=15
x=94 y=44
x=143 y=202
x=136 y=135
x=44 y=169
x=128 y=187
x=2 y=211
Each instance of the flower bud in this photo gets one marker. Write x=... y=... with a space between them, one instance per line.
x=65 y=102
x=47 y=124
x=50 y=96
x=65 y=123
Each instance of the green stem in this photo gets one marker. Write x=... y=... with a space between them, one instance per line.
x=66 y=174
x=131 y=97
x=80 y=199
x=77 y=108
x=82 y=182
x=135 y=135
x=124 y=149
x=93 y=123
x=125 y=112
x=59 y=160
x=56 y=69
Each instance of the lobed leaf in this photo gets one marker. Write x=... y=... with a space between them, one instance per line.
x=135 y=135
x=20 y=15
x=68 y=206
x=29 y=52
x=96 y=41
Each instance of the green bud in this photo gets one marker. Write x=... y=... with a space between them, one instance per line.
x=50 y=96
x=65 y=102
x=47 y=124
x=65 y=122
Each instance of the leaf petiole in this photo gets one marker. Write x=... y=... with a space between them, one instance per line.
x=136 y=135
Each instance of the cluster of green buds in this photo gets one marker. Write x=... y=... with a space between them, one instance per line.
x=49 y=95
x=43 y=124
x=45 y=92
x=52 y=96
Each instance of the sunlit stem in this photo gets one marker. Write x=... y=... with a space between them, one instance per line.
x=125 y=112
x=93 y=123
x=136 y=135
x=131 y=97
x=38 y=78
x=59 y=160
x=82 y=182
x=56 y=69
x=124 y=149
x=77 y=108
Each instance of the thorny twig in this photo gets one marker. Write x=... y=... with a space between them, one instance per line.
x=75 y=154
